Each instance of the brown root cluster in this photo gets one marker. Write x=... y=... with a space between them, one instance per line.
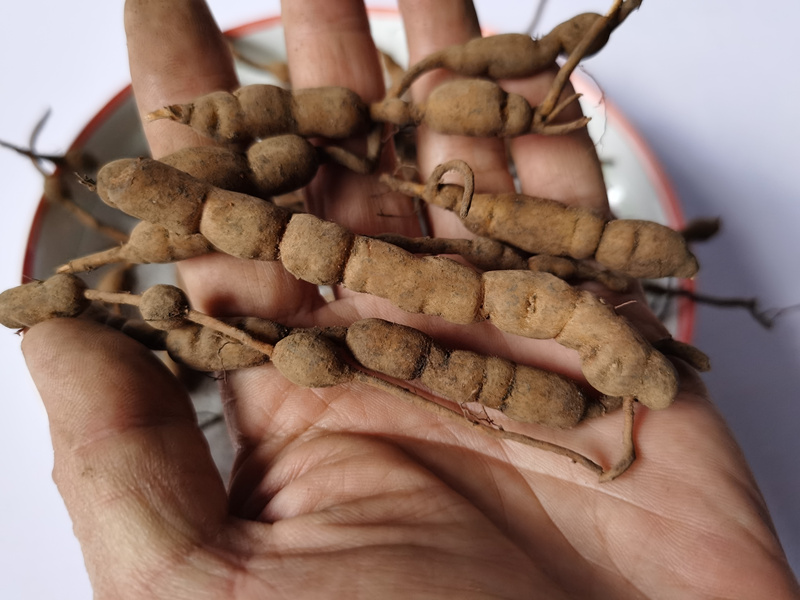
x=517 y=271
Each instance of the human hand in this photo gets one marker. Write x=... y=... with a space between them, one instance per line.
x=342 y=492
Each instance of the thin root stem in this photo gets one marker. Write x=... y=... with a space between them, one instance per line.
x=548 y=105
x=191 y=315
x=88 y=220
x=276 y=68
x=765 y=318
x=463 y=169
x=113 y=297
x=35 y=158
x=560 y=128
x=628 y=448
x=447 y=414
x=93 y=261
x=561 y=106
x=537 y=17
x=229 y=331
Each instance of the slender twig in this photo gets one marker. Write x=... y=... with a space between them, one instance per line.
x=545 y=110
x=37 y=130
x=56 y=159
x=229 y=331
x=463 y=169
x=628 y=447
x=278 y=69
x=113 y=297
x=765 y=318
x=190 y=315
x=449 y=415
x=537 y=17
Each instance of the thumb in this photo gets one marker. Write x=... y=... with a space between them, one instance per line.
x=131 y=463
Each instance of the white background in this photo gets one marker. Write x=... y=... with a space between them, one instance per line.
x=711 y=86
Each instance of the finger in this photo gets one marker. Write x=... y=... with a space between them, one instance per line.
x=132 y=466
x=431 y=26
x=329 y=43
x=176 y=53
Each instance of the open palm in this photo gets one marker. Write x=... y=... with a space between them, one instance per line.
x=345 y=492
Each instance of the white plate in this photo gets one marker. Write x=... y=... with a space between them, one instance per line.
x=637 y=186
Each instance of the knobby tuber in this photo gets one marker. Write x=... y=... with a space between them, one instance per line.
x=491 y=255
x=472 y=107
x=148 y=243
x=522 y=393
x=616 y=359
x=220 y=166
x=199 y=347
x=206 y=349
x=310 y=359
x=461 y=107
x=484 y=253
x=541 y=226
x=260 y=111
x=58 y=296
x=270 y=167
x=516 y=55
x=273 y=166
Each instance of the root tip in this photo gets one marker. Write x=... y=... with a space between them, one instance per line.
x=174 y=112
x=617 y=470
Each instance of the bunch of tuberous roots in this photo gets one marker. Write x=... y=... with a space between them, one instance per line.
x=514 y=271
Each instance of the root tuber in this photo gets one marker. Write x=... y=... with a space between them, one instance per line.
x=616 y=359
x=471 y=107
x=541 y=226
x=59 y=296
x=522 y=393
x=260 y=111
x=516 y=55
